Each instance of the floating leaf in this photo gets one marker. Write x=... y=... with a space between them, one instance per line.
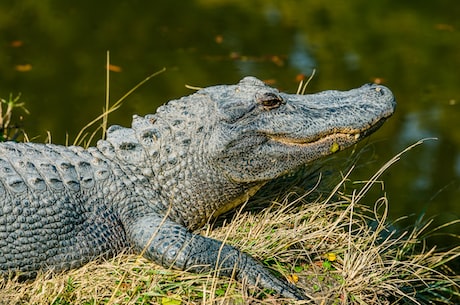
x=16 y=43
x=219 y=39
x=23 y=68
x=114 y=68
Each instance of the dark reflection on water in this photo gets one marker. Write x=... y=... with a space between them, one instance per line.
x=54 y=53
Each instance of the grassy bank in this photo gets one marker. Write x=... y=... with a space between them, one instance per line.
x=329 y=244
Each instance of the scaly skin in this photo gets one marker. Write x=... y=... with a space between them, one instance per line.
x=148 y=187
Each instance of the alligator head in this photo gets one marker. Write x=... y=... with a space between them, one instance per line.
x=263 y=133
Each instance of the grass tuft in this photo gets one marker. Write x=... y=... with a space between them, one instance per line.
x=8 y=130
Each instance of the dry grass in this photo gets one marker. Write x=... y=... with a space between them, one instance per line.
x=335 y=248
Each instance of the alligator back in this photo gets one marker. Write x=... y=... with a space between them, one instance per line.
x=53 y=213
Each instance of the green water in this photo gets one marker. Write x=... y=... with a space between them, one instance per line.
x=54 y=52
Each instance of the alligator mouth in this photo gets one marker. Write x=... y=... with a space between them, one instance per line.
x=351 y=136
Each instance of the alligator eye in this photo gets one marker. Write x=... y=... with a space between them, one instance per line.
x=269 y=100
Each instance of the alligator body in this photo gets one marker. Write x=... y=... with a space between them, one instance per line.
x=147 y=187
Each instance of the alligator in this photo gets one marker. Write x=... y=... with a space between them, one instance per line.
x=149 y=187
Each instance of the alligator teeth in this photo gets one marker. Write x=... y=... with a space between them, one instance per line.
x=357 y=136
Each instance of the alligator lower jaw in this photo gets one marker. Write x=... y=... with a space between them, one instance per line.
x=306 y=142
x=338 y=140
x=329 y=143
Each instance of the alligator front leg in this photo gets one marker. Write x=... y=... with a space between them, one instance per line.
x=172 y=245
